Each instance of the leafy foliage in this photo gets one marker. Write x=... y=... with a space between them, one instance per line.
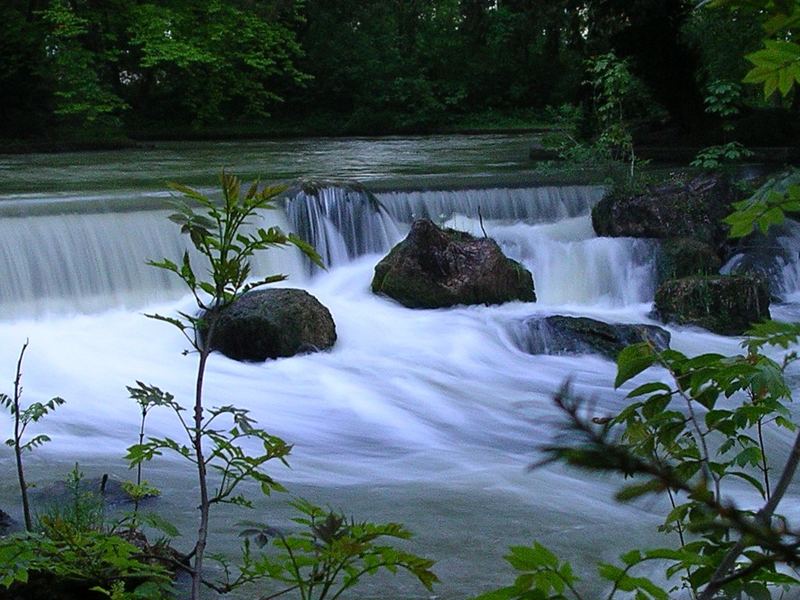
x=22 y=418
x=542 y=576
x=329 y=556
x=71 y=546
x=768 y=206
x=216 y=231
x=714 y=157
x=776 y=67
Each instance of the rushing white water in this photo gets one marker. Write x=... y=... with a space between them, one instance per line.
x=429 y=417
x=84 y=262
x=776 y=256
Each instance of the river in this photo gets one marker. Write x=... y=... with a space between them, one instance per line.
x=428 y=417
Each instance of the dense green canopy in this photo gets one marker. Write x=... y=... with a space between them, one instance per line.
x=339 y=66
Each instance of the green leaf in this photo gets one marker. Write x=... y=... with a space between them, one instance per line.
x=633 y=360
x=631 y=492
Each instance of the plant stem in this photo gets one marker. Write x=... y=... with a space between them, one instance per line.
x=18 y=428
x=202 y=531
x=763 y=517
x=764 y=467
x=134 y=521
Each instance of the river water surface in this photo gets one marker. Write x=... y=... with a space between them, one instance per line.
x=428 y=417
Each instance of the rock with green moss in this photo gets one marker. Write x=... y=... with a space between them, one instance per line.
x=684 y=257
x=724 y=304
x=581 y=335
x=693 y=209
x=273 y=323
x=435 y=268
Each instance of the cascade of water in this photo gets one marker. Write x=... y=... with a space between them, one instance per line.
x=531 y=205
x=776 y=256
x=571 y=265
x=342 y=223
x=87 y=262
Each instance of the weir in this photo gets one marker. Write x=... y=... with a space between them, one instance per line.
x=75 y=257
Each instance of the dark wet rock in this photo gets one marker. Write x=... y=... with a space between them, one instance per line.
x=724 y=304
x=581 y=335
x=273 y=323
x=692 y=209
x=684 y=257
x=6 y=522
x=434 y=268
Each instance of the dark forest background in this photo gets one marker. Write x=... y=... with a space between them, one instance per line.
x=72 y=69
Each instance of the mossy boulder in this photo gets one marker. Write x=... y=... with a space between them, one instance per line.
x=677 y=209
x=724 y=304
x=435 y=268
x=273 y=323
x=684 y=257
x=581 y=335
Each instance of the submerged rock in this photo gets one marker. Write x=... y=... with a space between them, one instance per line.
x=694 y=209
x=104 y=490
x=273 y=323
x=684 y=257
x=434 y=268
x=581 y=335
x=724 y=304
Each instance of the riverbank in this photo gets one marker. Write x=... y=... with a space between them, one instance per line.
x=142 y=135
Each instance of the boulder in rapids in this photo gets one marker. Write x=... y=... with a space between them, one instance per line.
x=273 y=323
x=724 y=304
x=693 y=209
x=581 y=335
x=684 y=257
x=435 y=268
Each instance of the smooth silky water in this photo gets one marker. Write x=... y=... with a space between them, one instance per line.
x=428 y=417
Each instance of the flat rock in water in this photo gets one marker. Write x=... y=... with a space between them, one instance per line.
x=273 y=323
x=435 y=268
x=581 y=335
x=724 y=304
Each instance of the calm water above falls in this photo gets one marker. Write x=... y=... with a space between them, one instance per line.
x=428 y=417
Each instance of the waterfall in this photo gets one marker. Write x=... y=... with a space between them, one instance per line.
x=776 y=256
x=91 y=258
x=531 y=205
x=346 y=222
x=341 y=222
x=570 y=265
x=84 y=262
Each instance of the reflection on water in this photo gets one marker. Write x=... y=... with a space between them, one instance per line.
x=151 y=166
